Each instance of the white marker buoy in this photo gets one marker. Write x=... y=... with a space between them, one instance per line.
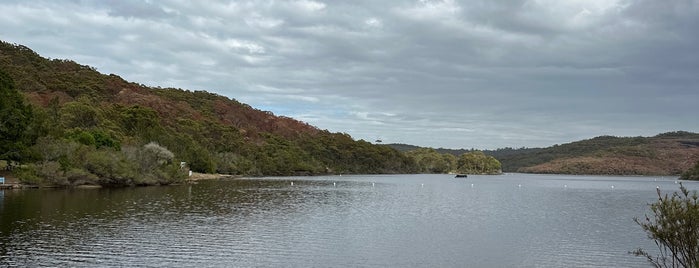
x=520 y=186
x=372 y=184
x=422 y=185
x=471 y=185
x=292 y=183
x=612 y=186
x=334 y=184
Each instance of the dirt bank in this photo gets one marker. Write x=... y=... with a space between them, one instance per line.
x=205 y=176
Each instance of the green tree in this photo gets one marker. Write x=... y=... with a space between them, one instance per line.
x=79 y=114
x=430 y=161
x=143 y=122
x=82 y=137
x=15 y=117
x=674 y=227
x=155 y=164
x=478 y=163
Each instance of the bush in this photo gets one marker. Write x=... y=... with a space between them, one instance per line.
x=233 y=163
x=154 y=165
x=674 y=226
x=52 y=173
x=104 y=140
x=64 y=151
x=111 y=167
x=82 y=137
x=27 y=175
x=170 y=174
x=78 y=176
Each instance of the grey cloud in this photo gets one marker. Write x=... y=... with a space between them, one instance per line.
x=481 y=74
x=134 y=9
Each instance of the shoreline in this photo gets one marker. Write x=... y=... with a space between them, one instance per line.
x=206 y=176
x=12 y=183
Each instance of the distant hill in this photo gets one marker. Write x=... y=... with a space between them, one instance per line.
x=403 y=147
x=665 y=154
x=88 y=127
x=74 y=103
x=407 y=148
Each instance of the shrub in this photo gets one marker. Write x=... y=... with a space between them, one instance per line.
x=27 y=175
x=104 y=140
x=674 y=227
x=78 y=176
x=110 y=167
x=157 y=154
x=52 y=173
x=52 y=149
x=154 y=164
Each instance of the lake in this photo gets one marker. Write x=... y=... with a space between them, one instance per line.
x=513 y=220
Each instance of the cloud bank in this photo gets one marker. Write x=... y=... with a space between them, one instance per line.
x=456 y=74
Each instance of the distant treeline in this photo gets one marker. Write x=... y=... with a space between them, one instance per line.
x=669 y=153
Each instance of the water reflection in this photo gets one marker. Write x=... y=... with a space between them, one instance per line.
x=366 y=221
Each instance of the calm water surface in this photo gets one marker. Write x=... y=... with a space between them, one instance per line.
x=514 y=220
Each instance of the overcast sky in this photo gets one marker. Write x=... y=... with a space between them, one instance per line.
x=454 y=74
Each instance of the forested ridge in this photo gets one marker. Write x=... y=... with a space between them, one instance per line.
x=671 y=153
x=63 y=123
x=81 y=127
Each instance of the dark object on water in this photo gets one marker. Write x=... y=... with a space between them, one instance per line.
x=461 y=176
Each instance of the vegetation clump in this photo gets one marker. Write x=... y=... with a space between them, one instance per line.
x=476 y=162
x=664 y=154
x=61 y=162
x=15 y=119
x=674 y=227
x=66 y=124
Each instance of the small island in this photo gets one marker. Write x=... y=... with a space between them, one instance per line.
x=428 y=160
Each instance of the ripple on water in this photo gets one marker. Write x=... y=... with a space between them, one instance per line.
x=399 y=221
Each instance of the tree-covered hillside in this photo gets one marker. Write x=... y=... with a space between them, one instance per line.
x=669 y=153
x=63 y=123
x=76 y=115
x=665 y=154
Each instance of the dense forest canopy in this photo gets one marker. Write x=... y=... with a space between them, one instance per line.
x=665 y=154
x=85 y=127
x=15 y=116
x=431 y=161
x=669 y=153
x=68 y=124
